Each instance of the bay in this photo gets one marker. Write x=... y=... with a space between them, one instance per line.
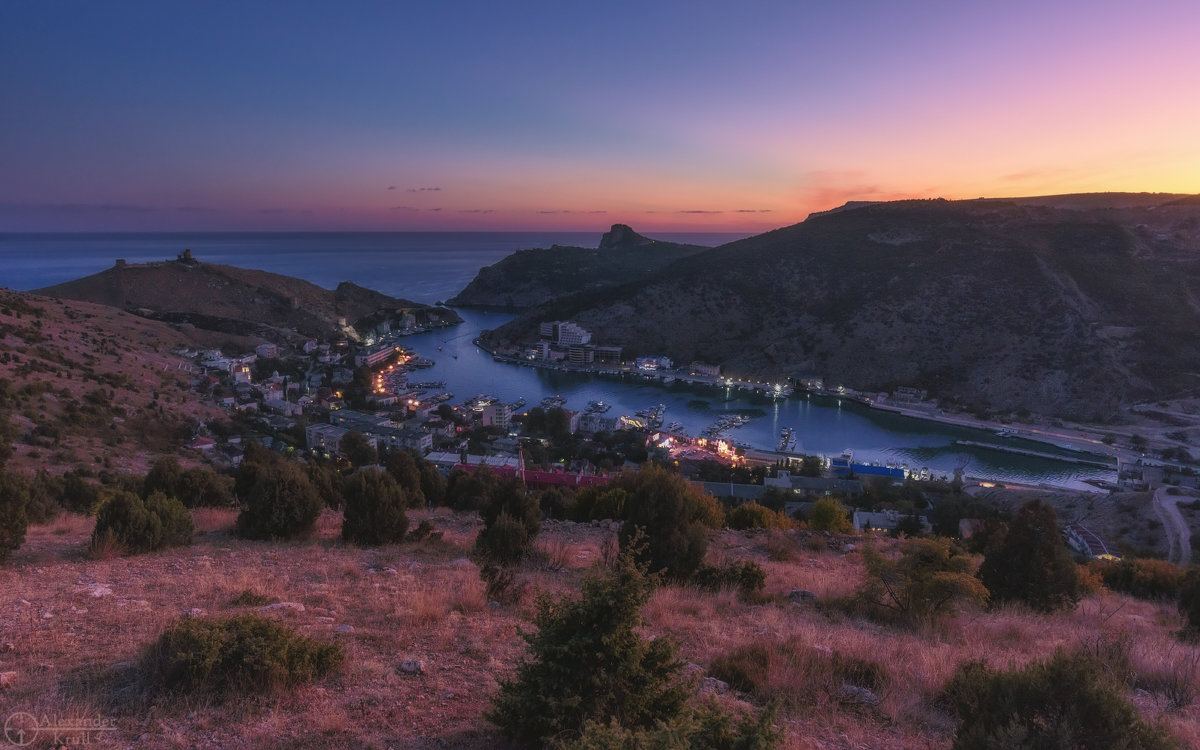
x=431 y=266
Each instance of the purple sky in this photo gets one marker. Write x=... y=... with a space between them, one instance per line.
x=663 y=115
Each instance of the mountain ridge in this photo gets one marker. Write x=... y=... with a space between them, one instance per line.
x=993 y=305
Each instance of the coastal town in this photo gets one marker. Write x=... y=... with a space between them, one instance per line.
x=313 y=396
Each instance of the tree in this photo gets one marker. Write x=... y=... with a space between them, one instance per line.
x=1031 y=563
x=670 y=516
x=433 y=484
x=358 y=450
x=827 y=514
x=931 y=577
x=374 y=511
x=282 y=504
x=403 y=468
x=13 y=522
x=163 y=477
x=512 y=520
x=812 y=467
x=587 y=662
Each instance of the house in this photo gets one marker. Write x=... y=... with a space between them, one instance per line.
x=886 y=522
x=324 y=438
x=202 y=444
x=267 y=351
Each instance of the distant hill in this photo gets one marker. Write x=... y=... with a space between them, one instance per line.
x=238 y=300
x=1066 y=305
x=532 y=277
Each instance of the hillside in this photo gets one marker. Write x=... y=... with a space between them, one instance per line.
x=236 y=300
x=532 y=277
x=78 y=626
x=990 y=305
x=87 y=386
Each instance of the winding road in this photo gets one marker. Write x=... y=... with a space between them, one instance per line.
x=1179 y=534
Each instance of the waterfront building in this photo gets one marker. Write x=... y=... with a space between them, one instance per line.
x=654 y=362
x=581 y=355
x=496 y=415
x=375 y=355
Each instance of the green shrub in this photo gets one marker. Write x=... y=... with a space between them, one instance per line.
x=13 y=522
x=1031 y=563
x=747 y=577
x=374 y=512
x=41 y=502
x=242 y=654
x=505 y=540
x=250 y=598
x=1067 y=701
x=282 y=504
x=135 y=525
x=670 y=516
x=587 y=662
x=512 y=519
x=1143 y=578
x=1189 y=600
x=930 y=578
x=827 y=514
x=704 y=727
x=754 y=516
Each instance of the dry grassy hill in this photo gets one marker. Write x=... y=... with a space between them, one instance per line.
x=237 y=300
x=91 y=386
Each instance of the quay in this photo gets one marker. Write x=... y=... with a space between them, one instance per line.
x=1082 y=460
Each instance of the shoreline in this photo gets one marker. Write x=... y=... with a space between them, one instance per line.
x=1032 y=433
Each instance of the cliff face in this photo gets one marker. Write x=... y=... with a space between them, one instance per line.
x=1001 y=305
x=533 y=277
x=237 y=300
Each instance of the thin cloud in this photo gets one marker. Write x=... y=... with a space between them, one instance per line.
x=424 y=190
x=477 y=211
x=78 y=208
x=753 y=211
x=196 y=210
x=391 y=187
x=699 y=211
x=284 y=212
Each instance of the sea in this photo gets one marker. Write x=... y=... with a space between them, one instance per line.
x=434 y=266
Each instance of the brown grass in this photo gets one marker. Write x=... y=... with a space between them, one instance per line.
x=425 y=601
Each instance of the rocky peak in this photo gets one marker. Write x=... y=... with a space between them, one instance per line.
x=622 y=236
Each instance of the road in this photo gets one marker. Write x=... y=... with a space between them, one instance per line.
x=1178 y=532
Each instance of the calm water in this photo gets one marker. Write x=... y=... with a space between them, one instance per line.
x=434 y=266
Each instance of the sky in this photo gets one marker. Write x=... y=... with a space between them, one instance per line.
x=668 y=116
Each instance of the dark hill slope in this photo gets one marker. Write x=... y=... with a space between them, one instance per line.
x=236 y=300
x=532 y=277
x=990 y=304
